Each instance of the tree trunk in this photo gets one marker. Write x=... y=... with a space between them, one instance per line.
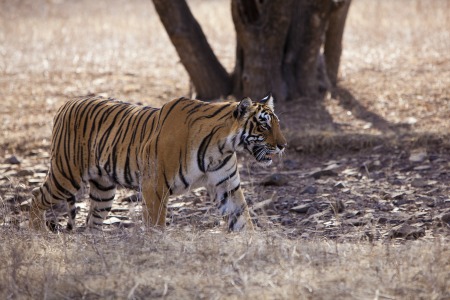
x=333 y=40
x=209 y=77
x=278 y=47
x=304 y=44
x=261 y=30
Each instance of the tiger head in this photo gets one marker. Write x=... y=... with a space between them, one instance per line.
x=261 y=135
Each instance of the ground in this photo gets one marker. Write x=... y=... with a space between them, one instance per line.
x=363 y=187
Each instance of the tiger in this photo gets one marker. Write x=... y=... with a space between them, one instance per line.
x=103 y=142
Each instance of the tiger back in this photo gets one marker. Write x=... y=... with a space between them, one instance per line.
x=186 y=143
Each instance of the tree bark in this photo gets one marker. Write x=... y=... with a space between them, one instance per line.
x=209 y=77
x=261 y=30
x=333 y=40
x=314 y=15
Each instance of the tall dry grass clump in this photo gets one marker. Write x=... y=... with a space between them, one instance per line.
x=139 y=264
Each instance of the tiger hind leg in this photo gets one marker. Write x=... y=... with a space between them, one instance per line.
x=44 y=198
x=154 y=207
x=102 y=192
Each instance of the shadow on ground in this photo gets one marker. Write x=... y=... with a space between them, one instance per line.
x=311 y=128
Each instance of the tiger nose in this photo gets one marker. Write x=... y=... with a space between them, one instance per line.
x=282 y=146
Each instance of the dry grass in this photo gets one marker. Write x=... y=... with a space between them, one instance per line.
x=396 y=64
x=214 y=265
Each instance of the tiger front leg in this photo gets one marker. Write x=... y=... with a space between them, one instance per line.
x=224 y=186
x=233 y=205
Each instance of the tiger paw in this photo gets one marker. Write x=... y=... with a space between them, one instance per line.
x=239 y=222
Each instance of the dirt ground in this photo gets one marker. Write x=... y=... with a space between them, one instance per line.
x=369 y=162
x=369 y=157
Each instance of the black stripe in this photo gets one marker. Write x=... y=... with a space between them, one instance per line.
x=44 y=200
x=235 y=189
x=203 y=147
x=195 y=108
x=233 y=220
x=235 y=217
x=170 y=109
x=226 y=194
x=60 y=188
x=233 y=140
x=224 y=199
x=81 y=157
x=190 y=103
x=183 y=179
x=96 y=215
x=99 y=171
x=96 y=199
x=236 y=113
x=128 y=115
x=202 y=151
x=167 y=184
x=102 y=188
x=91 y=110
x=222 y=164
x=67 y=155
x=241 y=138
x=69 y=176
x=160 y=125
x=221 y=147
x=52 y=195
x=71 y=200
x=117 y=125
x=114 y=164
x=224 y=116
x=93 y=132
x=180 y=173
x=108 y=209
x=105 y=137
x=107 y=166
x=212 y=115
x=73 y=213
x=227 y=177
x=144 y=126
x=127 y=171
x=136 y=124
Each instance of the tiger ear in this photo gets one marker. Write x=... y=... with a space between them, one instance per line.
x=242 y=107
x=268 y=100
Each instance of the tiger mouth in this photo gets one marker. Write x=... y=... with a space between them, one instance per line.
x=265 y=158
x=263 y=155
